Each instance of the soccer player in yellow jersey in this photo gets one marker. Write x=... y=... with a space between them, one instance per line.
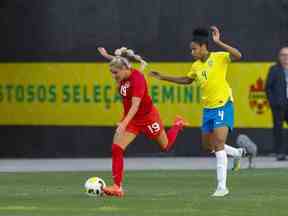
x=209 y=71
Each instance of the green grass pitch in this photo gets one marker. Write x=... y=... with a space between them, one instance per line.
x=253 y=192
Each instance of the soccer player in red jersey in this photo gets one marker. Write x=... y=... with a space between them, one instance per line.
x=140 y=116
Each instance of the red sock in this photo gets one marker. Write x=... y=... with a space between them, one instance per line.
x=171 y=135
x=117 y=164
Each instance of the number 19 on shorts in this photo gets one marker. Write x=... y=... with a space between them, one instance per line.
x=154 y=128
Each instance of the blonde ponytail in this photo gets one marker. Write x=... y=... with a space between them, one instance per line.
x=130 y=55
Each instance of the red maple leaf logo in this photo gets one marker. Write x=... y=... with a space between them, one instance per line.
x=258 y=87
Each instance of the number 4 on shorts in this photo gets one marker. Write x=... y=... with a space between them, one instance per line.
x=221 y=114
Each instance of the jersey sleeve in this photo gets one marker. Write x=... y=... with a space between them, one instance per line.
x=138 y=88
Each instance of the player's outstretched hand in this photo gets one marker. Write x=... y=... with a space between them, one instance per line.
x=155 y=75
x=102 y=51
x=215 y=34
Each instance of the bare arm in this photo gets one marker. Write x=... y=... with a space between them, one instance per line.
x=235 y=53
x=133 y=110
x=131 y=113
x=184 y=80
x=105 y=54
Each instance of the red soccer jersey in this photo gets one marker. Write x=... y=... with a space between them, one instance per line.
x=136 y=86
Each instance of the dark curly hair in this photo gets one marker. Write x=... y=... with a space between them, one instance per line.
x=201 y=36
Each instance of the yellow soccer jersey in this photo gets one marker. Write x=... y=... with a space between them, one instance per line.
x=211 y=77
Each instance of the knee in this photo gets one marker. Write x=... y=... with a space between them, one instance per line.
x=218 y=143
x=117 y=141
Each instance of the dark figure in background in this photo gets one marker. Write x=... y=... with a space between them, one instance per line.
x=277 y=93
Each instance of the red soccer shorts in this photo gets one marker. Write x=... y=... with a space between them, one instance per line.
x=150 y=125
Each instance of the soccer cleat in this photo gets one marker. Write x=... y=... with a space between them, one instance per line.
x=180 y=121
x=220 y=192
x=237 y=160
x=114 y=190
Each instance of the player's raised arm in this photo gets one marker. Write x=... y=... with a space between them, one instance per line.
x=235 y=53
x=105 y=54
x=184 y=80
